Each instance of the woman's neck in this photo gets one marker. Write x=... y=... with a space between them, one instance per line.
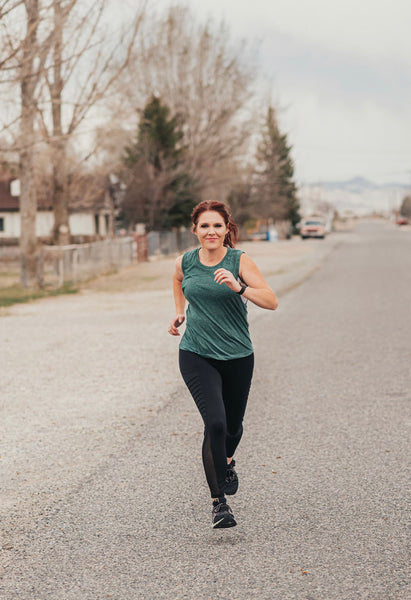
x=212 y=257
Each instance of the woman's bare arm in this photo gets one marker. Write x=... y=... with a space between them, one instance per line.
x=258 y=290
x=179 y=299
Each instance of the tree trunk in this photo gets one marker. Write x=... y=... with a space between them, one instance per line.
x=30 y=273
x=61 y=229
x=28 y=210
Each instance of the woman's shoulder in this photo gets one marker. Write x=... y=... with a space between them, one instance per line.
x=236 y=254
x=192 y=252
x=189 y=258
x=236 y=251
x=232 y=259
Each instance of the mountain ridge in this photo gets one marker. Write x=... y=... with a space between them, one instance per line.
x=357 y=195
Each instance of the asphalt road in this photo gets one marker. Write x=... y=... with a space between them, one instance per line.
x=321 y=507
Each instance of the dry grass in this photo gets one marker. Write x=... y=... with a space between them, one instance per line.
x=17 y=294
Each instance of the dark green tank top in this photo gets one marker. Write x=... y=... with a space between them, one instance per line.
x=217 y=324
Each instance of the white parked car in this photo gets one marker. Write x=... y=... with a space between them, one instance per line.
x=314 y=227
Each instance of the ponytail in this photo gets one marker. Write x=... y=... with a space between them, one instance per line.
x=231 y=237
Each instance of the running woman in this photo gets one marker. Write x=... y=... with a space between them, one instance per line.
x=216 y=354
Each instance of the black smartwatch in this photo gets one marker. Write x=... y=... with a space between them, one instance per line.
x=243 y=288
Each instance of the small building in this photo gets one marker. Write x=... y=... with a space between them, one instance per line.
x=91 y=211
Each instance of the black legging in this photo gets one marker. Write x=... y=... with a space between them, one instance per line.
x=220 y=389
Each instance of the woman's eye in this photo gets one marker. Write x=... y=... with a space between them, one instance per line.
x=204 y=226
x=218 y=225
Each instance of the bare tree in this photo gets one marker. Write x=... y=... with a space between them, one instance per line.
x=11 y=44
x=28 y=200
x=17 y=55
x=82 y=52
x=203 y=78
x=30 y=273
x=22 y=61
x=44 y=49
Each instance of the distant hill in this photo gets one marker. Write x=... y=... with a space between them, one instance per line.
x=357 y=196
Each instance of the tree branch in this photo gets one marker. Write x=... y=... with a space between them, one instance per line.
x=5 y=10
x=95 y=93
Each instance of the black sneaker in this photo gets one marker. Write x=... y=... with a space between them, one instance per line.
x=231 y=479
x=222 y=515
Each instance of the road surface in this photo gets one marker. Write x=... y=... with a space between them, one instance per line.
x=321 y=507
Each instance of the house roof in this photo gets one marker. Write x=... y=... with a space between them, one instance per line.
x=7 y=201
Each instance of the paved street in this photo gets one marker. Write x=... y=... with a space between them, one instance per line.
x=124 y=512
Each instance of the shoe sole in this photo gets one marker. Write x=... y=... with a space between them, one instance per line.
x=225 y=522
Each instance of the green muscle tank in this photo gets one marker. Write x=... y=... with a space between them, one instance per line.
x=217 y=324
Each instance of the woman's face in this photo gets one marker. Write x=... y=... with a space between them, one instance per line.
x=211 y=230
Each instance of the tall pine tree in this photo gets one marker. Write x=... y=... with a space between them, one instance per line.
x=275 y=190
x=159 y=192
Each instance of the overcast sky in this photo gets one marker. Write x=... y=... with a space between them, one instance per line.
x=341 y=72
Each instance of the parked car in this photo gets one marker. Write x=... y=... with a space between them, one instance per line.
x=313 y=227
x=402 y=220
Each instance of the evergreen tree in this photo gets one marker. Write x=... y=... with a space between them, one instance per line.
x=287 y=187
x=276 y=192
x=241 y=199
x=186 y=196
x=159 y=192
x=158 y=137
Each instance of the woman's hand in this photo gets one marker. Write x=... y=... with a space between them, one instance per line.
x=225 y=276
x=175 y=323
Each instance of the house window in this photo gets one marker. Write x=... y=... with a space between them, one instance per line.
x=107 y=223
x=1 y=223
x=96 y=222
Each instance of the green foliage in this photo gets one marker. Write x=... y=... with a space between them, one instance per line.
x=160 y=193
x=241 y=202
x=158 y=137
x=276 y=192
x=185 y=199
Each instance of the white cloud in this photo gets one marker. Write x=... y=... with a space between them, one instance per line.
x=332 y=142
x=373 y=28
x=343 y=70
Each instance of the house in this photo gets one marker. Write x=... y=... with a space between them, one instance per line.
x=91 y=210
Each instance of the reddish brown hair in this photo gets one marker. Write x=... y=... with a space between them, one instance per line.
x=231 y=236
